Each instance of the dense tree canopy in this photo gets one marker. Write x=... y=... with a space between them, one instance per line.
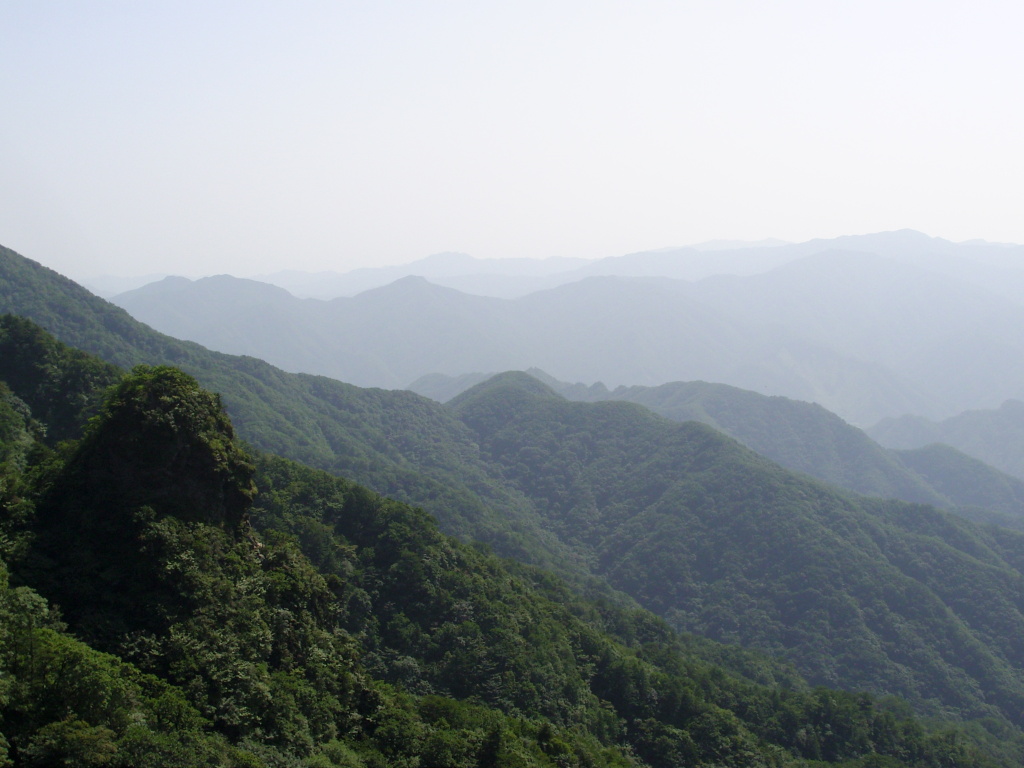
x=316 y=623
x=883 y=595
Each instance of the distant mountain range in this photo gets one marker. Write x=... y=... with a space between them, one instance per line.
x=869 y=327
x=994 y=266
x=991 y=265
x=856 y=592
x=995 y=436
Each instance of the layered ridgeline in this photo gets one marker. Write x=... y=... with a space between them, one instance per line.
x=402 y=445
x=995 y=267
x=903 y=644
x=807 y=438
x=612 y=329
x=862 y=593
x=182 y=602
x=869 y=327
x=995 y=436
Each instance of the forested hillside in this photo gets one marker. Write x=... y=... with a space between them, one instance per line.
x=398 y=443
x=713 y=537
x=806 y=438
x=182 y=602
x=798 y=435
x=861 y=593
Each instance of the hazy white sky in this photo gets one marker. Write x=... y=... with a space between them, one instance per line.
x=204 y=137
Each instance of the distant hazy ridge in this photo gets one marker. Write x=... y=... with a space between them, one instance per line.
x=869 y=327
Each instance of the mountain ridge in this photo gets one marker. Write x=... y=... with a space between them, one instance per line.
x=995 y=436
x=803 y=437
x=326 y=626
x=869 y=326
x=695 y=525
x=617 y=330
x=724 y=522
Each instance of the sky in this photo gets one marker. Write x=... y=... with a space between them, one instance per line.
x=209 y=137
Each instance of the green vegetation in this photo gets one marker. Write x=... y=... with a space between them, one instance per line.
x=798 y=435
x=399 y=444
x=878 y=595
x=980 y=489
x=60 y=384
x=316 y=623
x=807 y=438
x=857 y=594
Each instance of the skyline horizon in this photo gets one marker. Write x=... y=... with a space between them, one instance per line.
x=231 y=138
x=705 y=246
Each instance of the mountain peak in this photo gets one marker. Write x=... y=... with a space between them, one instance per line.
x=508 y=382
x=409 y=284
x=495 y=402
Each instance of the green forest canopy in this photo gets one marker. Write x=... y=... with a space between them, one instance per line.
x=317 y=623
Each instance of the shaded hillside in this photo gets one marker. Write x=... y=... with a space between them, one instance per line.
x=60 y=384
x=883 y=595
x=798 y=435
x=953 y=344
x=931 y=662
x=807 y=438
x=972 y=482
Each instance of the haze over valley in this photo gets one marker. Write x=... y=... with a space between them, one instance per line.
x=526 y=385
x=871 y=327
x=835 y=561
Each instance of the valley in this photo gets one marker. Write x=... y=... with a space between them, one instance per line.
x=773 y=542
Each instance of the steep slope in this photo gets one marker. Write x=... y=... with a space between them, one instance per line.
x=972 y=483
x=881 y=595
x=396 y=442
x=803 y=437
x=60 y=384
x=798 y=435
x=807 y=438
x=73 y=313
x=229 y=643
